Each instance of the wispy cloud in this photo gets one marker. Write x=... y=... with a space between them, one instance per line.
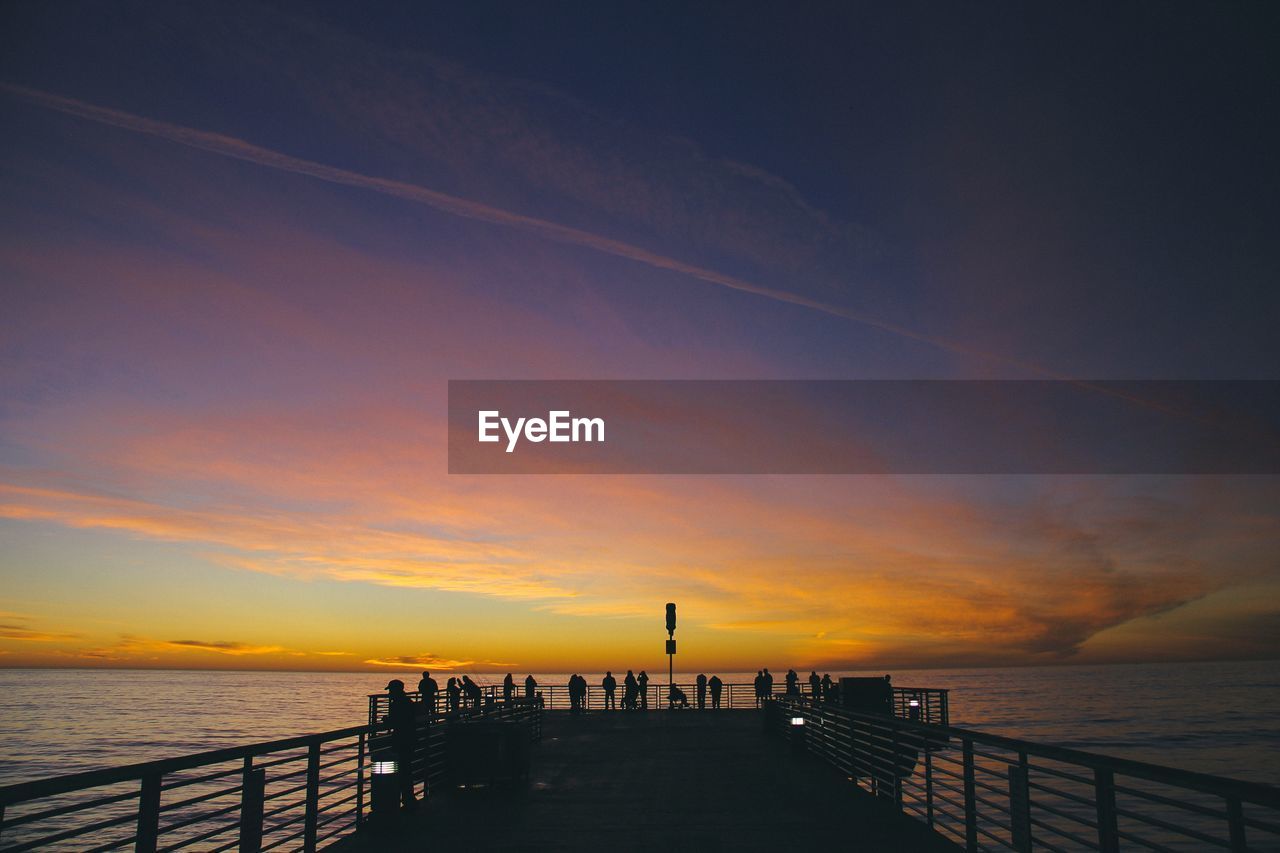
x=228 y=146
x=224 y=647
x=426 y=660
x=25 y=634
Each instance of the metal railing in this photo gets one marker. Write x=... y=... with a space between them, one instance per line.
x=988 y=792
x=931 y=704
x=292 y=794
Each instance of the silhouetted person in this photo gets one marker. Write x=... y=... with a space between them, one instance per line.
x=643 y=682
x=508 y=689
x=815 y=686
x=575 y=702
x=768 y=684
x=530 y=686
x=454 y=691
x=610 y=686
x=759 y=685
x=676 y=698
x=701 y=683
x=404 y=737
x=630 y=688
x=793 y=683
x=716 y=686
x=472 y=690
x=427 y=690
x=828 y=687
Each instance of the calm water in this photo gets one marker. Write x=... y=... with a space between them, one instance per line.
x=1215 y=718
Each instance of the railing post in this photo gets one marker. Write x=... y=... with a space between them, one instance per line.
x=360 y=781
x=928 y=783
x=970 y=800
x=1235 y=824
x=148 y=834
x=897 y=758
x=1020 y=804
x=313 y=797
x=1104 y=795
x=253 y=784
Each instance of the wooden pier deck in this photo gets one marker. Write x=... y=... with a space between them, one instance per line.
x=665 y=781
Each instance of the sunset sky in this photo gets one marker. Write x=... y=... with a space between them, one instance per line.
x=244 y=248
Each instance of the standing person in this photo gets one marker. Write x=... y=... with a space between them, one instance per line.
x=508 y=689
x=643 y=682
x=530 y=687
x=759 y=685
x=828 y=688
x=793 y=683
x=404 y=736
x=768 y=683
x=573 y=693
x=629 y=688
x=610 y=685
x=427 y=690
x=716 y=685
x=702 y=692
x=455 y=694
x=473 y=692
x=815 y=686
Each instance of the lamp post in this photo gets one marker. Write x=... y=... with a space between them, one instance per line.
x=671 y=654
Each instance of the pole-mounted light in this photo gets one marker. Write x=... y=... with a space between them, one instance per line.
x=671 y=652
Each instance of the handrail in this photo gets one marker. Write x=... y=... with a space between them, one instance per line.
x=22 y=791
x=1011 y=791
x=1254 y=792
x=336 y=800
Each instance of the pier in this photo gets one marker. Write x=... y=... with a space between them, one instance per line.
x=659 y=781
x=524 y=774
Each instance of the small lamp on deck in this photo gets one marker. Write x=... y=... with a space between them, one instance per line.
x=384 y=789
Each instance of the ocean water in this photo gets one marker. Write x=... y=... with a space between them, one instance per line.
x=1209 y=717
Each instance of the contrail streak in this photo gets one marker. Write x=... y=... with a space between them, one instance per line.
x=230 y=146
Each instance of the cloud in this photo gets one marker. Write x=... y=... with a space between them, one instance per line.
x=22 y=633
x=239 y=149
x=224 y=647
x=427 y=660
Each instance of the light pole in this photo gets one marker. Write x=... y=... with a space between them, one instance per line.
x=671 y=654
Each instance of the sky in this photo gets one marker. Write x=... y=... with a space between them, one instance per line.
x=244 y=247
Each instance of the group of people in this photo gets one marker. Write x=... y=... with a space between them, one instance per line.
x=820 y=689
x=461 y=693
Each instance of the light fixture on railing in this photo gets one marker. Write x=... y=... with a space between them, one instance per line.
x=384 y=768
x=913 y=709
x=797 y=721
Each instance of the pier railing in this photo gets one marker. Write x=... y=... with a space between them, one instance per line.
x=293 y=794
x=988 y=792
x=926 y=704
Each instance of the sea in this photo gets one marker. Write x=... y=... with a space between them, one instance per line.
x=1220 y=718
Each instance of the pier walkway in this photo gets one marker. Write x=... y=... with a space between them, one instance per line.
x=659 y=781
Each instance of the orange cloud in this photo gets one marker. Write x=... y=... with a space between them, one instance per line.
x=223 y=647
x=29 y=635
x=427 y=661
